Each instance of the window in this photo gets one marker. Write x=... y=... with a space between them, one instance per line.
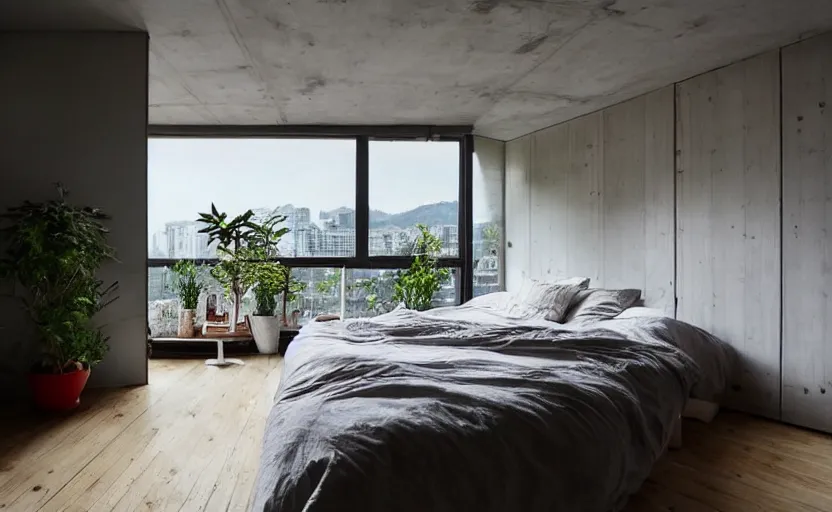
x=353 y=206
x=310 y=181
x=369 y=292
x=413 y=183
x=320 y=294
x=487 y=213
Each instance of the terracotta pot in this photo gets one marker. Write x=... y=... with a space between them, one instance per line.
x=58 y=392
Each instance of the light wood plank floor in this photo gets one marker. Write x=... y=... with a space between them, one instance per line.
x=191 y=441
x=741 y=463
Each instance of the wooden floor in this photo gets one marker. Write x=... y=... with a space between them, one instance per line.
x=191 y=441
x=740 y=463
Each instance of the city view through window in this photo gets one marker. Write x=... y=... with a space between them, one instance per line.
x=312 y=183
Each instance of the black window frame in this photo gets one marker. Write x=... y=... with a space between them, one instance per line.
x=361 y=135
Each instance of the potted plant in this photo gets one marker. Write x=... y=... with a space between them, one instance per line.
x=53 y=251
x=416 y=285
x=266 y=274
x=188 y=286
x=265 y=325
x=232 y=237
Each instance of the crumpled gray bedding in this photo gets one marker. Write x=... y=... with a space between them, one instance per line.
x=469 y=409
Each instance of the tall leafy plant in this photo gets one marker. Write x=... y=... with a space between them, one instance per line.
x=264 y=271
x=232 y=237
x=188 y=284
x=416 y=286
x=53 y=251
x=265 y=297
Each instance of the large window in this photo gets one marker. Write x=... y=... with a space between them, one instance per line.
x=413 y=183
x=311 y=182
x=353 y=205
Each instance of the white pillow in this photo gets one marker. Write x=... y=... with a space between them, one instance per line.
x=495 y=300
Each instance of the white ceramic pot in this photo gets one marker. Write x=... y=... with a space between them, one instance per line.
x=266 y=333
x=186 y=323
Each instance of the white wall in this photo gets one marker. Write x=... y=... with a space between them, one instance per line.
x=593 y=197
x=573 y=208
x=74 y=110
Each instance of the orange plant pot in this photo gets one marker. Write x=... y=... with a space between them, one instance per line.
x=58 y=392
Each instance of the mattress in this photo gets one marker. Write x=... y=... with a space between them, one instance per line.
x=473 y=409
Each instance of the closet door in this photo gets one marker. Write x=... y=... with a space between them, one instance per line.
x=807 y=226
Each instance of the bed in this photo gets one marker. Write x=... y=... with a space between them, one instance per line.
x=488 y=406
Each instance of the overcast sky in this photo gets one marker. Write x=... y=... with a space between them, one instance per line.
x=185 y=175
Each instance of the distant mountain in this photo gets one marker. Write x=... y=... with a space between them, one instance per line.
x=431 y=214
x=378 y=216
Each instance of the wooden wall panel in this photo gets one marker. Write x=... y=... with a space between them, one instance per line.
x=638 y=234
x=548 y=218
x=584 y=209
x=517 y=198
x=600 y=192
x=728 y=219
x=807 y=222
x=566 y=212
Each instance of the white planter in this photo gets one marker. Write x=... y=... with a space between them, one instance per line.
x=186 y=323
x=266 y=333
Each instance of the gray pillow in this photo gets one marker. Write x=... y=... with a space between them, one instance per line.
x=599 y=304
x=553 y=299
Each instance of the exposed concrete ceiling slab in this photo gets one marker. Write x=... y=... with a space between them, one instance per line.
x=509 y=67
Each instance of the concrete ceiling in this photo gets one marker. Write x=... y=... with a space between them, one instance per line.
x=509 y=67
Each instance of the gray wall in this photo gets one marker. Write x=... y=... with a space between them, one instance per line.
x=74 y=110
x=593 y=197
x=596 y=196
x=488 y=186
x=807 y=225
x=728 y=219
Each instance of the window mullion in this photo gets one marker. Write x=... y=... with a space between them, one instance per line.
x=362 y=199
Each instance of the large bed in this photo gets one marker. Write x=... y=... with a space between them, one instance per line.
x=488 y=406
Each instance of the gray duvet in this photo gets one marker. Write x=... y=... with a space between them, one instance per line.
x=478 y=409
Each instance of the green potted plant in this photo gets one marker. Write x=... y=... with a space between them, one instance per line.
x=232 y=237
x=53 y=251
x=188 y=286
x=416 y=286
x=265 y=325
x=266 y=274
